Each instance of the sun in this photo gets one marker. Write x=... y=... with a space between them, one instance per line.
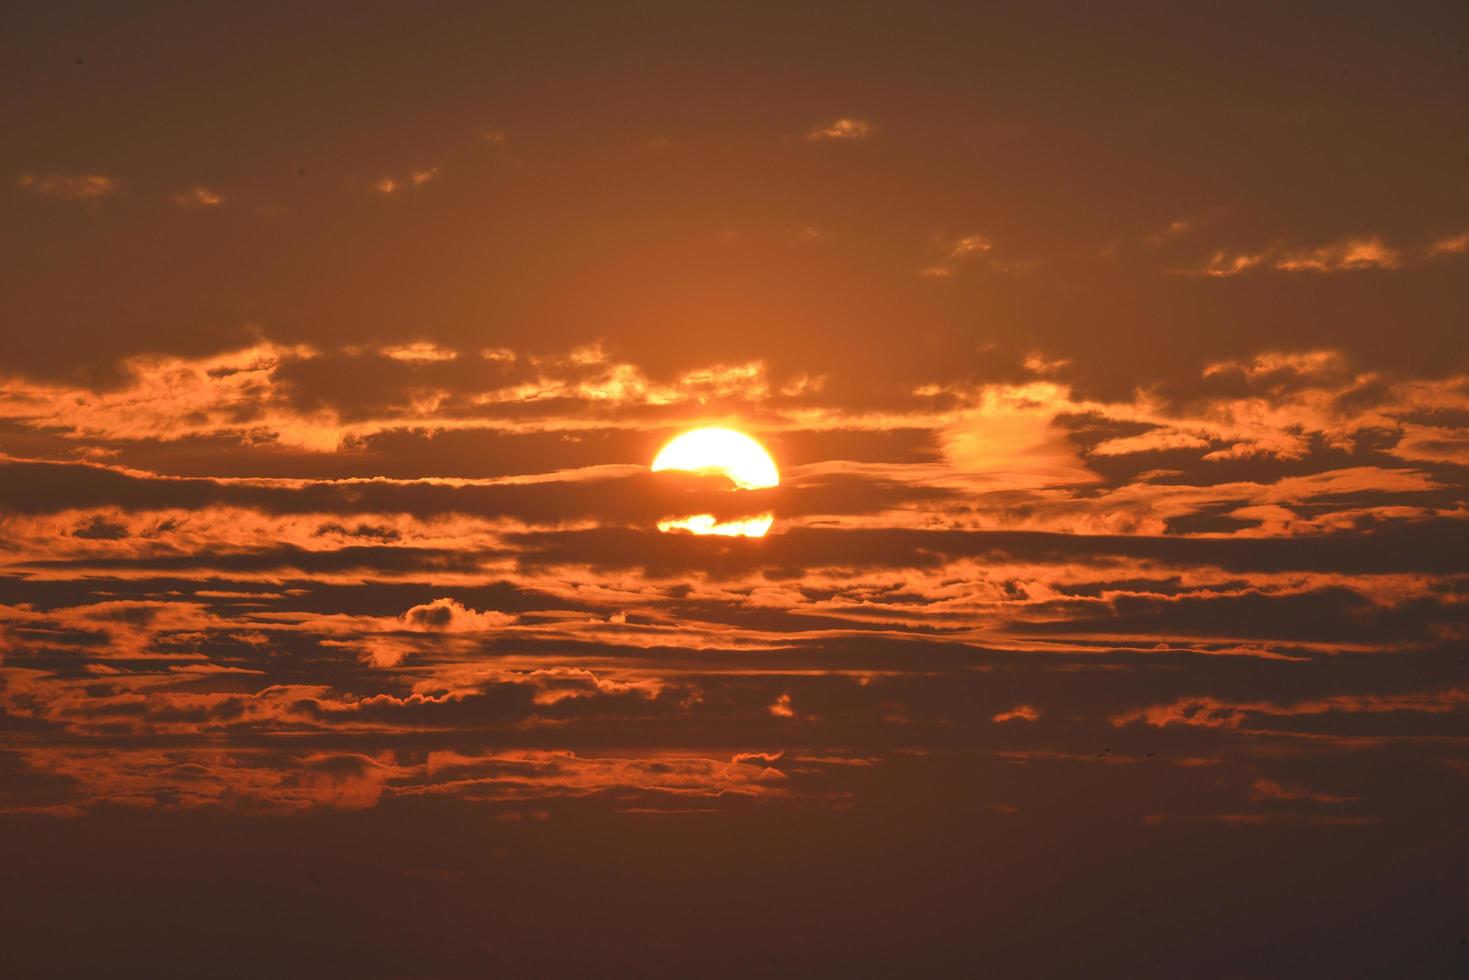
x=724 y=451
x=734 y=455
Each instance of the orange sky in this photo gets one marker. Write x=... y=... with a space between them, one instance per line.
x=1112 y=361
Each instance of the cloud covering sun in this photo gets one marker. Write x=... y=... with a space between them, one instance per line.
x=724 y=452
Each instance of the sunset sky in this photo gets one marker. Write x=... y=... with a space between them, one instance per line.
x=1110 y=614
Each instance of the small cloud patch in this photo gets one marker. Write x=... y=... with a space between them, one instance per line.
x=448 y=616
x=69 y=187
x=843 y=129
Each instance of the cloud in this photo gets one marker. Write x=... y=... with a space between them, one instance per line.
x=1452 y=245
x=449 y=616
x=307 y=398
x=1355 y=253
x=1174 y=229
x=1161 y=237
x=1210 y=712
x=1346 y=255
x=942 y=561
x=419 y=352
x=70 y=187
x=1018 y=456
x=414 y=178
x=1037 y=363
x=200 y=197
x=968 y=248
x=1308 y=363
x=1224 y=264
x=844 y=128
x=100 y=528
x=1433 y=444
x=1153 y=441
x=540 y=774
x=970 y=245
x=1279 y=405
x=1269 y=789
x=193 y=778
x=1275 y=404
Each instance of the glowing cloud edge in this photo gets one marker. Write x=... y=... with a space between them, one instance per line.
x=747 y=527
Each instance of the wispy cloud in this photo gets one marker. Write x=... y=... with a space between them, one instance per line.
x=970 y=248
x=964 y=247
x=414 y=178
x=1354 y=253
x=1174 y=229
x=1223 y=263
x=1452 y=245
x=419 y=351
x=970 y=245
x=69 y=187
x=845 y=128
x=1346 y=255
x=200 y=197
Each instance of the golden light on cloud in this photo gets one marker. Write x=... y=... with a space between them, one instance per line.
x=749 y=527
x=725 y=452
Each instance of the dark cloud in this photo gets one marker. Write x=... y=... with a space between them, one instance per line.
x=1416 y=547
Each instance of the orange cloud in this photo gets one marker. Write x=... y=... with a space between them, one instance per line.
x=1209 y=712
x=70 y=187
x=448 y=616
x=1021 y=712
x=419 y=352
x=186 y=779
x=1452 y=245
x=1346 y=255
x=1223 y=264
x=1433 y=444
x=1354 y=253
x=968 y=247
x=842 y=129
x=201 y=197
x=1172 y=230
x=1269 y=789
x=414 y=178
x=540 y=774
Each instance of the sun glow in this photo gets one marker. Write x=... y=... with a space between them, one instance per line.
x=749 y=527
x=725 y=451
x=728 y=453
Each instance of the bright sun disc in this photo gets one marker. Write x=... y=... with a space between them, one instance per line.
x=731 y=454
x=725 y=451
